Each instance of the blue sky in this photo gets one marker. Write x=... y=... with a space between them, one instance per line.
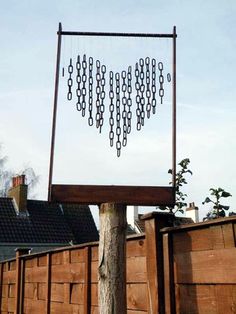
x=206 y=93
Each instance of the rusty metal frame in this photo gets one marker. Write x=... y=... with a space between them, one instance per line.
x=97 y=189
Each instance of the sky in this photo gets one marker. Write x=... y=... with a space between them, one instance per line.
x=206 y=114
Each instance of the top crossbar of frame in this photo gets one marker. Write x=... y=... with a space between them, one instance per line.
x=116 y=34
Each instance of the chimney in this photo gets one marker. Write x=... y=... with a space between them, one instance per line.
x=18 y=192
x=192 y=212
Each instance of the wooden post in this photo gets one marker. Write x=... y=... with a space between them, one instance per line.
x=112 y=259
x=19 y=279
x=154 y=246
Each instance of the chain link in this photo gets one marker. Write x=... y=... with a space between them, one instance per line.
x=124 y=103
x=142 y=90
x=102 y=97
x=168 y=77
x=70 y=80
x=118 y=128
x=111 y=108
x=98 y=92
x=78 y=81
x=154 y=101
x=161 y=81
x=137 y=87
x=84 y=90
x=129 y=99
x=90 y=101
x=148 y=91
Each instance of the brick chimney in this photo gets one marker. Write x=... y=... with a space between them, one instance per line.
x=192 y=212
x=18 y=192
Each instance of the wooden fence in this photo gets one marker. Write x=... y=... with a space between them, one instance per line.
x=200 y=267
x=188 y=269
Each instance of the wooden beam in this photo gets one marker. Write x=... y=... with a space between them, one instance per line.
x=126 y=195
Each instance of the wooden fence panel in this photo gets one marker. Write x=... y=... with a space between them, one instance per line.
x=66 y=281
x=204 y=268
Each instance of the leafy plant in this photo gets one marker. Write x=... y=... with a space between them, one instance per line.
x=218 y=209
x=180 y=180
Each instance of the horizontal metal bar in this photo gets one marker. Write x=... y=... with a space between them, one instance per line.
x=68 y=33
x=128 y=195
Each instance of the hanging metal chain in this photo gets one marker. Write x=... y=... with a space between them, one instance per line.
x=124 y=112
x=154 y=101
x=70 y=80
x=78 y=81
x=84 y=90
x=142 y=90
x=102 y=97
x=137 y=87
x=129 y=99
x=161 y=81
x=120 y=94
x=98 y=92
x=118 y=128
x=111 y=108
x=90 y=100
x=148 y=91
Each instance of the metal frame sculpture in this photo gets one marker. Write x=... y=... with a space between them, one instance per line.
x=93 y=74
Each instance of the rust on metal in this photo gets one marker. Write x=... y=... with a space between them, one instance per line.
x=53 y=135
x=174 y=111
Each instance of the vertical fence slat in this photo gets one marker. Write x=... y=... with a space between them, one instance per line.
x=22 y=282
x=169 y=288
x=151 y=260
x=48 y=284
x=154 y=259
x=17 y=284
x=87 y=280
x=1 y=282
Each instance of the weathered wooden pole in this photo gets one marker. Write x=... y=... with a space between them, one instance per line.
x=112 y=259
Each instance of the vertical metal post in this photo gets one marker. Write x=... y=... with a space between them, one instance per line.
x=54 y=111
x=174 y=110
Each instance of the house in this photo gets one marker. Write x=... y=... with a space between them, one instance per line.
x=135 y=224
x=192 y=212
x=41 y=225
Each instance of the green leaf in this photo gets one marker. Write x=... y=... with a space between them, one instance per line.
x=163 y=207
x=213 y=191
x=207 y=200
x=224 y=207
x=222 y=213
x=225 y=194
